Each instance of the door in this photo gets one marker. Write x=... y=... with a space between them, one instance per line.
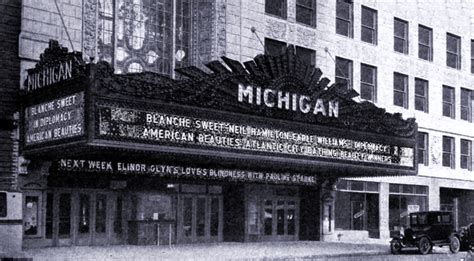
x=200 y=219
x=280 y=219
x=357 y=215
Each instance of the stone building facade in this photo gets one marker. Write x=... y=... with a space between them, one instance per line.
x=243 y=29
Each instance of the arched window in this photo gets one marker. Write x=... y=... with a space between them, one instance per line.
x=144 y=35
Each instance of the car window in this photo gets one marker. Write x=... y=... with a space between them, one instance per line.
x=446 y=218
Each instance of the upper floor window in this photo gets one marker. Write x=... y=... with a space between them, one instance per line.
x=369 y=25
x=400 y=90
x=453 y=51
x=466 y=104
x=448 y=101
x=139 y=35
x=274 y=47
x=466 y=154
x=472 y=56
x=421 y=95
x=3 y=204
x=344 y=17
x=448 y=152
x=306 y=55
x=423 y=148
x=306 y=12
x=400 y=35
x=425 y=43
x=344 y=72
x=368 y=82
x=276 y=7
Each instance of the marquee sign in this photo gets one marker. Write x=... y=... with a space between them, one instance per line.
x=149 y=126
x=56 y=119
x=274 y=111
x=175 y=171
x=56 y=65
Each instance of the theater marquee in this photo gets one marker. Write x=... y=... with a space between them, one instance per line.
x=148 y=126
x=269 y=114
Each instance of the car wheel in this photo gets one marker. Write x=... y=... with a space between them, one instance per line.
x=454 y=244
x=396 y=246
x=424 y=245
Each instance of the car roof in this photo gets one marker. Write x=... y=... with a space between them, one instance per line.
x=432 y=212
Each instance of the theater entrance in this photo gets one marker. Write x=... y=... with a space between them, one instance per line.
x=85 y=217
x=200 y=218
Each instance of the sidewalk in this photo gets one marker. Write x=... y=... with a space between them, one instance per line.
x=301 y=250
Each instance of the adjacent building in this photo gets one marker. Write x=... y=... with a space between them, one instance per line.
x=90 y=184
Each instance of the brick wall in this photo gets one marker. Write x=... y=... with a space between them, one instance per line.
x=9 y=79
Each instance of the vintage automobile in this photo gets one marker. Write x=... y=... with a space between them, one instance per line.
x=467 y=237
x=428 y=229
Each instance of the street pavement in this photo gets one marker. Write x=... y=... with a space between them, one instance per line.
x=299 y=250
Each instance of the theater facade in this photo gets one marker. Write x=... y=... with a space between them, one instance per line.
x=236 y=152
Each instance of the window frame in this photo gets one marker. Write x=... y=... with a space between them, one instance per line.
x=313 y=54
x=372 y=85
x=347 y=79
x=425 y=98
x=404 y=92
x=468 y=107
x=472 y=56
x=405 y=38
x=372 y=29
x=350 y=22
x=311 y=8
x=4 y=203
x=270 y=41
x=425 y=148
x=39 y=196
x=450 y=153
x=451 y=103
x=430 y=42
x=458 y=53
x=171 y=43
x=468 y=156
x=283 y=12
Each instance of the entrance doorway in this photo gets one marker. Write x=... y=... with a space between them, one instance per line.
x=200 y=218
x=88 y=217
x=280 y=218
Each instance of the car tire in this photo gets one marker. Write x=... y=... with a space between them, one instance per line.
x=454 y=244
x=396 y=246
x=424 y=246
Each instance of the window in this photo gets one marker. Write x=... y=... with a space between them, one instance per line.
x=421 y=95
x=404 y=200
x=423 y=148
x=274 y=47
x=466 y=104
x=425 y=43
x=448 y=152
x=276 y=7
x=368 y=82
x=466 y=154
x=344 y=17
x=400 y=33
x=448 y=101
x=144 y=37
x=306 y=12
x=31 y=216
x=306 y=55
x=400 y=90
x=472 y=56
x=453 y=51
x=369 y=25
x=3 y=204
x=344 y=72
